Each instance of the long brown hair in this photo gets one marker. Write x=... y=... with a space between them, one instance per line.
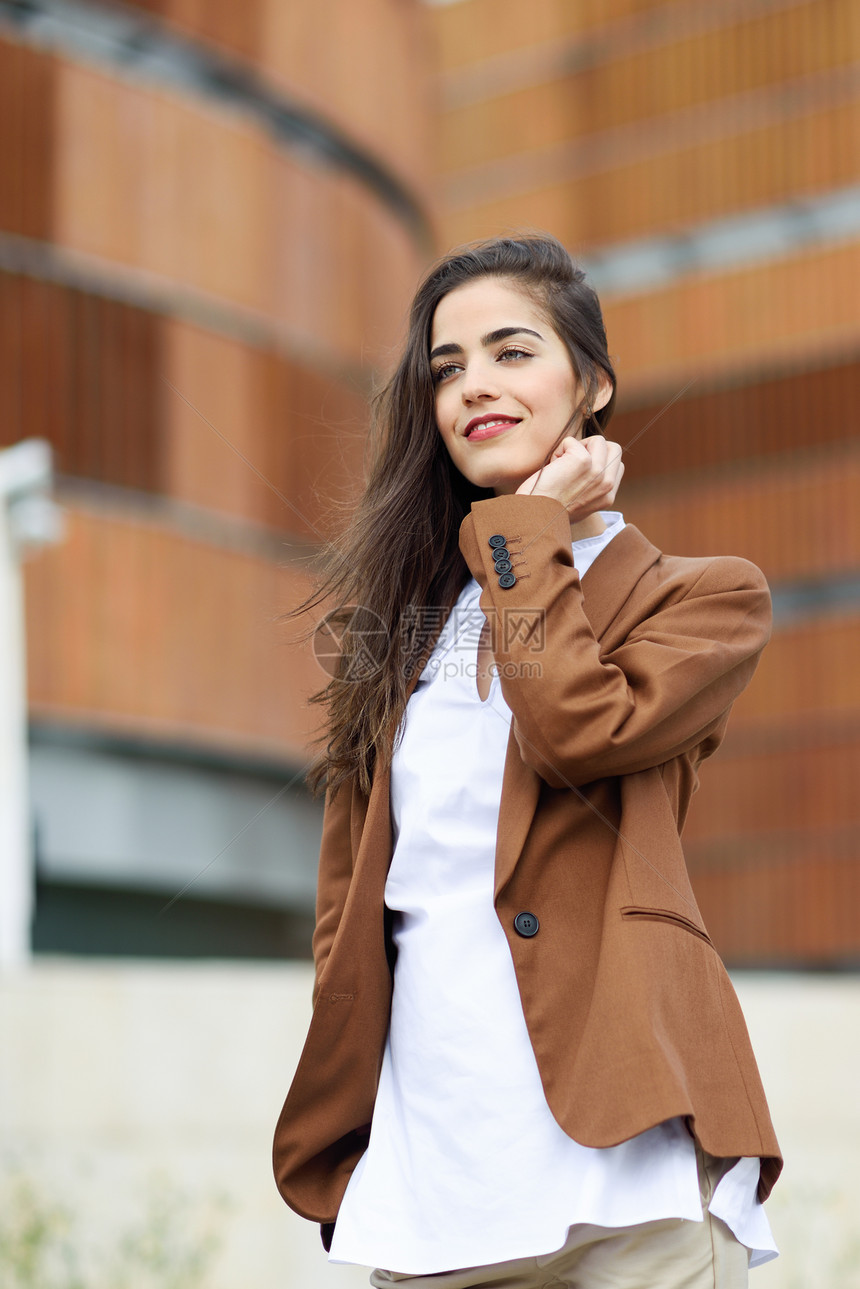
x=397 y=570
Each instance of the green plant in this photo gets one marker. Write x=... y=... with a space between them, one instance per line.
x=46 y=1245
x=171 y=1248
x=36 y=1241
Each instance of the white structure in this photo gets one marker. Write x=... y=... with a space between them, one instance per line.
x=28 y=519
x=122 y=1080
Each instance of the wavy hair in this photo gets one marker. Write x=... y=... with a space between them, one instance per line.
x=397 y=570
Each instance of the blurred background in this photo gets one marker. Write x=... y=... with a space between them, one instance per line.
x=212 y=219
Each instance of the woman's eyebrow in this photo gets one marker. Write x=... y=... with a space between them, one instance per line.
x=503 y=332
x=491 y=338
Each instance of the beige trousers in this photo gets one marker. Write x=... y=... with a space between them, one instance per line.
x=671 y=1254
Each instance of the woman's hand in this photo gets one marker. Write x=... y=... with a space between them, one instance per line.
x=583 y=474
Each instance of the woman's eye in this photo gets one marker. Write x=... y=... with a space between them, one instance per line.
x=448 y=369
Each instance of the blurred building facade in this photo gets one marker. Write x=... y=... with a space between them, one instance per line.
x=211 y=219
x=703 y=161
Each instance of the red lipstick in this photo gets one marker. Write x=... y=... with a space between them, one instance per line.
x=488 y=426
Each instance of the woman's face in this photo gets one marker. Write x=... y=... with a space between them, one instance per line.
x=505 y=385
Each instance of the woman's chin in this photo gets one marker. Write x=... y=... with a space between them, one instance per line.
x=491 y=481
x=500 y=483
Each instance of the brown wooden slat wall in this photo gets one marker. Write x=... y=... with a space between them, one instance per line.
x=254 y=434
x=786 y=909
x=776 y=869
x=194 y=209
x=656 y=185
x=91 y=376
x=812 y=662
x=478 y=30
x=814 y=407
x=340 y=77
x=798 y=520
x=364 y=66
x=27 y=100
x=127 y=634
x=616 y=87
x=688 y=113
x=801 y=311
x=788 y=785
x=147 y=181
x=773 y=838
x=81 y=372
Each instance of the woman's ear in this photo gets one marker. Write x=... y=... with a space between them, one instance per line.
x=604 y=393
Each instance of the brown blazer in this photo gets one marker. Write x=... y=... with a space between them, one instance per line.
x=631 y=1014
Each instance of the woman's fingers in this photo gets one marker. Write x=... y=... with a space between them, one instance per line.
x=569 y=444
x=598 y=450
x=610 y=467
x=608 y=464
x=618 y=473
x=595 y=485
x=583 y=474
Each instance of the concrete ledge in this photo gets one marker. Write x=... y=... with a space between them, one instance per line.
x=119 y=1077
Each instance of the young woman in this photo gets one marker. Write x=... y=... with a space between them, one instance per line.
x=526 y=1064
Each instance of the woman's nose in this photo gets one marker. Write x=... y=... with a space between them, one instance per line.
x=479 y=384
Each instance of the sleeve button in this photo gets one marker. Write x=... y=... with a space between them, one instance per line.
x=526 y=924
x=497 y=540
x=507 y=580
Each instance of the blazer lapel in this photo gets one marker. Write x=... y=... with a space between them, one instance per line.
x=613 y=576
x=618 y=568
x=520 y=792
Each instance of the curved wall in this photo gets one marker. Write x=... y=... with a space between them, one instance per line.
x=143 y=630
x=609 y=122
x=194 y=310
x=211 y=221
x=356 y=65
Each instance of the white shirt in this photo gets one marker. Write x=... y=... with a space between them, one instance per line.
x=465 y=1164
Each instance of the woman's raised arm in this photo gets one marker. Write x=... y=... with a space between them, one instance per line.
x=693 y=631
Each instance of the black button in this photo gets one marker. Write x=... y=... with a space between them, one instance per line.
x=503 y=566
x=501 y=553
x=526 y=924
x=506 y=580
x=497 y=540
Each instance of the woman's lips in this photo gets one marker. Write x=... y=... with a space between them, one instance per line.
x=489 y=430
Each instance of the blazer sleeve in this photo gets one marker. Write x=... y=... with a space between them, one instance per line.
x=580 y=714
x=335 y=873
